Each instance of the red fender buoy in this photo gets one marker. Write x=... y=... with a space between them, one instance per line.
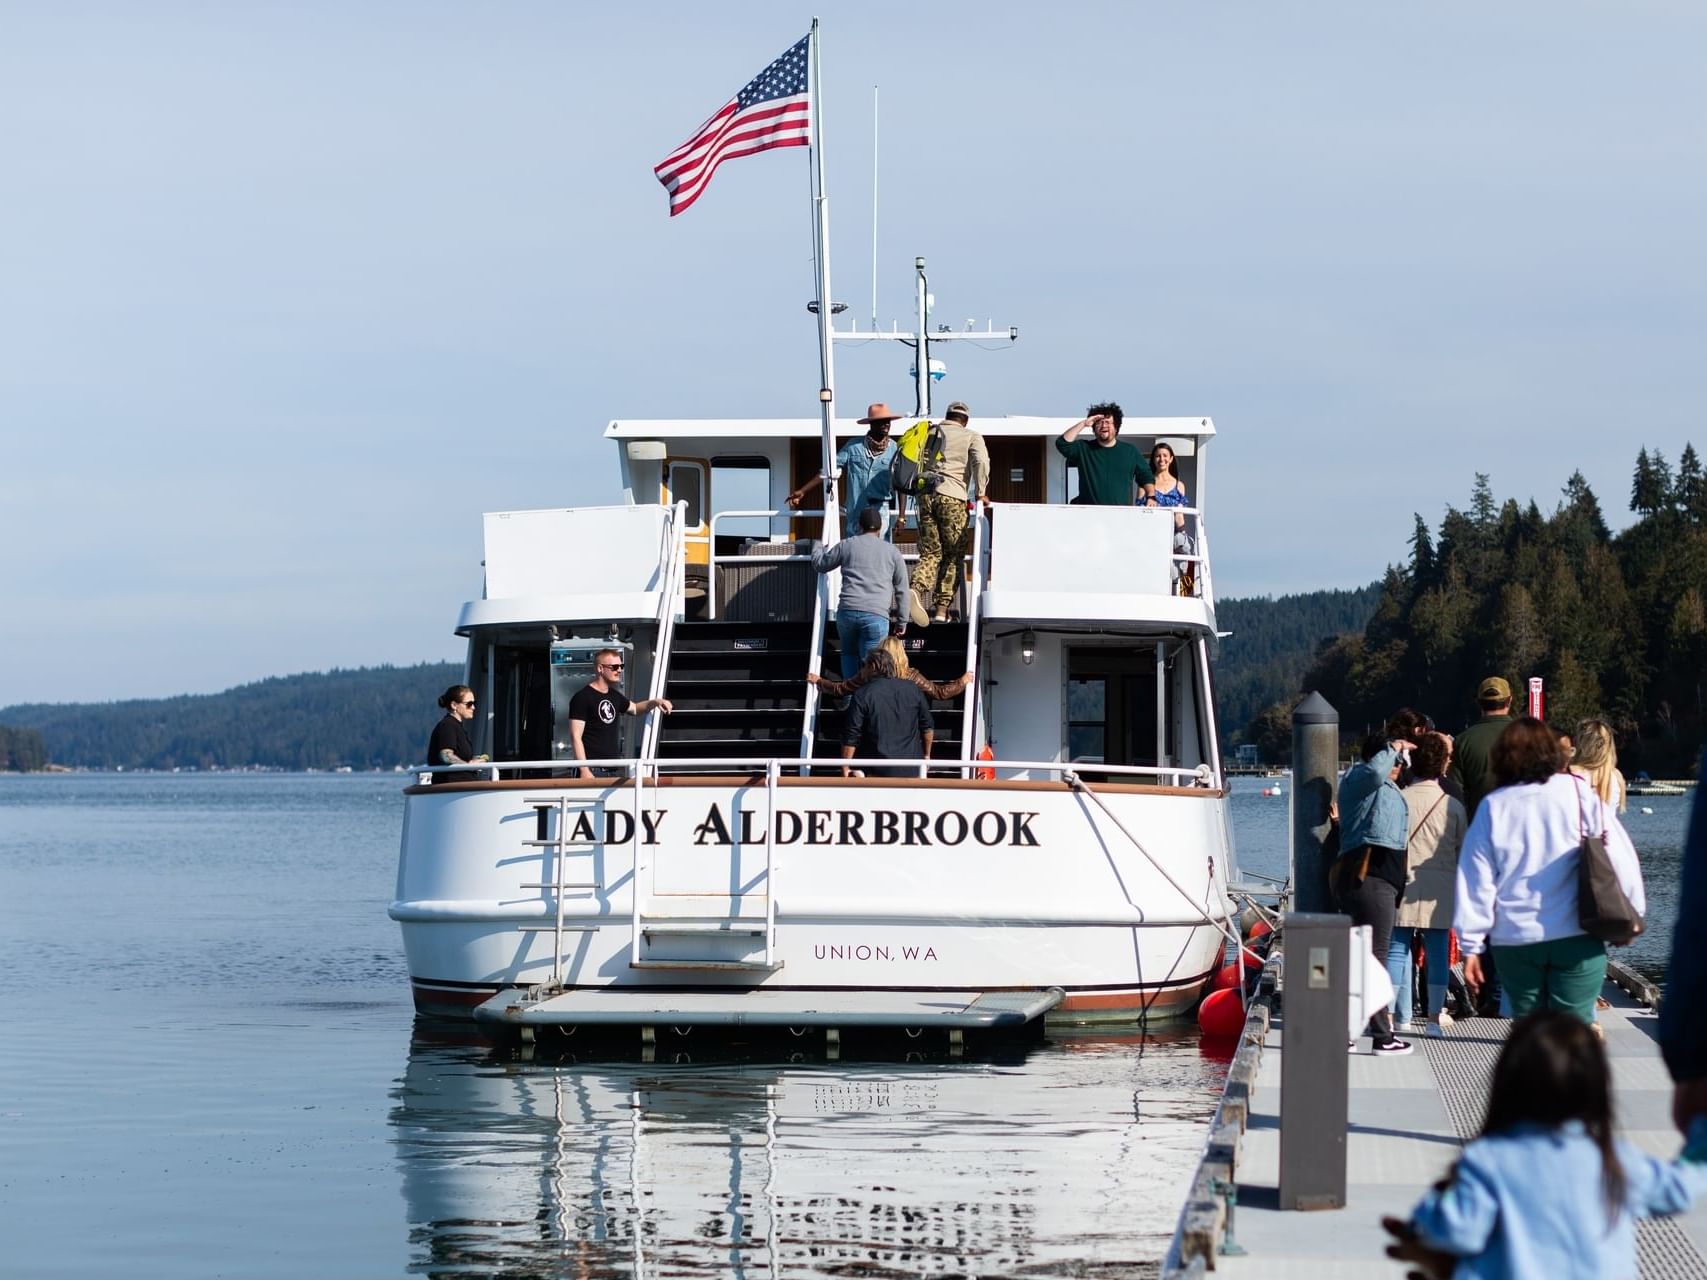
x=1221 y=1014
x=1261 y=929
x=1226 y=978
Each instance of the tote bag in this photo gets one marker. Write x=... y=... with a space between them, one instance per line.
x=1603 y=909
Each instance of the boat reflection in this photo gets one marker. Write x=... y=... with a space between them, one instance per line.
x=1072 y=1153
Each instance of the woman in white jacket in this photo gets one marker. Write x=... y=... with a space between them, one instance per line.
x=1517 y=876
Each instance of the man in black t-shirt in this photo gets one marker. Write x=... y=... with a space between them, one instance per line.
x=888 y=719
x=593 y=711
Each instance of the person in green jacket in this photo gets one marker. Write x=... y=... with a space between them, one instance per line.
x=1108 y=466
x=1470 y=752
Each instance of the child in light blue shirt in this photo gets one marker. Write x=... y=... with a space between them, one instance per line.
x=1546 y=1190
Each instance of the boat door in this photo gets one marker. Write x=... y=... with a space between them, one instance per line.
x=689 y=480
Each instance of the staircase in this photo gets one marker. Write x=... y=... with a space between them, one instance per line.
x=939 y=652
x=738 y=689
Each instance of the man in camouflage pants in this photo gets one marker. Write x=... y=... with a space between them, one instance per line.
x=942 y=515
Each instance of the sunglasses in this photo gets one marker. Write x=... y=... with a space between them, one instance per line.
x=612 y=666
x=466 y=702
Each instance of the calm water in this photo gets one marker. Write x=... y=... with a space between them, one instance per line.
x=209 y=1066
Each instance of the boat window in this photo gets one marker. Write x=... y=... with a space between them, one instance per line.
x=743 y=483
x=1087 y=718
x=685 y=487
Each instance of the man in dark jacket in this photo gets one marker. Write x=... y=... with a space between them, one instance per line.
x=1683 y=1029
x=888 y=719
x=1470 y=751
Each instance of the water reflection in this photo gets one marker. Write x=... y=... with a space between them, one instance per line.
x=1073 y=1153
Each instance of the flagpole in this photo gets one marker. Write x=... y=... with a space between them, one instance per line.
x=821 y=221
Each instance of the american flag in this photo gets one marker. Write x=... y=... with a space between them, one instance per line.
x=772 y=111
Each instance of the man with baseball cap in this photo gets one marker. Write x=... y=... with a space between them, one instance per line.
x=864 y=468
x=1470 y=767
x=873 y=601
x=942 y=515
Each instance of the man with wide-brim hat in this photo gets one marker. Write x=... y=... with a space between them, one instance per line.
x=863 y=466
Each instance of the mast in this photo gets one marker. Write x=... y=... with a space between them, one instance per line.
x=821 y=253
x=922 y=340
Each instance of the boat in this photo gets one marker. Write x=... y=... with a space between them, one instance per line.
x=1065 y=851
x=1063 y=855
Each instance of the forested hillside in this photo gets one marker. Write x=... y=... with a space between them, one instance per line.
x=21 y=750
x=367 y=718
x=1615 y=625
x=1274 y=641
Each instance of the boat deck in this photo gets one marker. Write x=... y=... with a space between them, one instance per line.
x=1407 y=1118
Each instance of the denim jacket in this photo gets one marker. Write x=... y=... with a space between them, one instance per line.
x=1528 y=1202
x=1372 y=808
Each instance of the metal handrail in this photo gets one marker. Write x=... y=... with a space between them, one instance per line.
x=814 y=666
x=675 y=573
x=637 y=892
x=974 y=593
x=772 y=773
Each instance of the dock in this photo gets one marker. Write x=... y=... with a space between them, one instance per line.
x=1406 y=1120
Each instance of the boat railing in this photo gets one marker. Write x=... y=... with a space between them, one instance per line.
x=674 y=556
x=1198 y=541
x=1193 y=776
x=713 y=560
x=909 y=552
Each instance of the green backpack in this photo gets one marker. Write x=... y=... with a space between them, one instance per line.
x=918 y=458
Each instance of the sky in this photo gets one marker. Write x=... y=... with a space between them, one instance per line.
x=290 y=293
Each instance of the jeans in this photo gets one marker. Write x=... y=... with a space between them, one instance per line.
x=1399 y=968
x=1374 y=903
x=861 y=632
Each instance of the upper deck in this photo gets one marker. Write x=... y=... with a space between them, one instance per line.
x=1048 y=559
x=1095 y=622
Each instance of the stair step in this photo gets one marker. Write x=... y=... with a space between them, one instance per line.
x=753 y=966
x=699 y=929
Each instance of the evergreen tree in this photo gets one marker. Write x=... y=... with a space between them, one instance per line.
x=1422 y=555
x=1482 y=507
x=1689 y=494
x=1520 y=643
x=1663 y=487
x=1646 y=496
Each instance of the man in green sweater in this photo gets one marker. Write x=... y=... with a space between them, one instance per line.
x=1470 y=752
x=1108 y=466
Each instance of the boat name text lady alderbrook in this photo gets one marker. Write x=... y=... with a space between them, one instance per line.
x=900 y=827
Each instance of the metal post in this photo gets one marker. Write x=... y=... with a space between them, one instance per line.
x=921 y=352
x=1315 y=786
x=1313 y=1071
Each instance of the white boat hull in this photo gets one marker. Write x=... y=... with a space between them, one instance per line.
x=823 y=884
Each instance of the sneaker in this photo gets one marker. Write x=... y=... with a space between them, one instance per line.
x=1435 y=1030
x=1442 y=1018
x=1393 y=1047
x=916 y=609
x=1405 y=1028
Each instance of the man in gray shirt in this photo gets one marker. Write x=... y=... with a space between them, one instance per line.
x=874 y=588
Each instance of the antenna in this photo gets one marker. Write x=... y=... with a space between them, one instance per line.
x=925 y=370
x=874 y=206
